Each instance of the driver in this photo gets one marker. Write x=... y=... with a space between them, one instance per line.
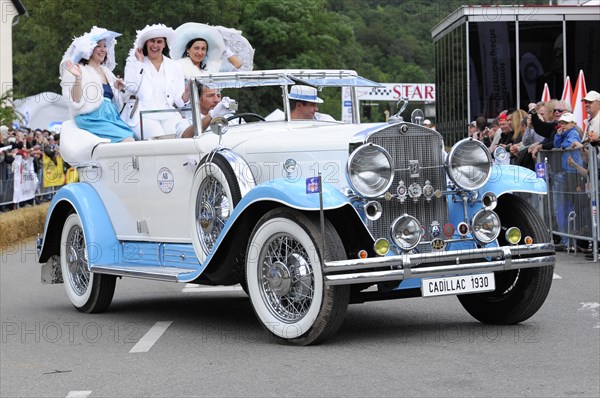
x=211 y=106
x=303 y=102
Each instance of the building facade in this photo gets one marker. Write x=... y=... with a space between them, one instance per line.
x=491 y=58
x=10 y=11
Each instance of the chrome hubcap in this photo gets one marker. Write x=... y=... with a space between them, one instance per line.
x=278 y=277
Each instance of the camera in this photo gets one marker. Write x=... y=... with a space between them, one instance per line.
x=532 y=111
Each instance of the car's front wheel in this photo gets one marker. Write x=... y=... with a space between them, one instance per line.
x=519 y=293
x=87 y=291
x=285 y=277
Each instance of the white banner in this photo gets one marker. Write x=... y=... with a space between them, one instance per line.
x=418 y=92
x=423 y=92
x=26 y=180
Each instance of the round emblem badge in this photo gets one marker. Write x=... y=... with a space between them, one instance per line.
x=165 y=180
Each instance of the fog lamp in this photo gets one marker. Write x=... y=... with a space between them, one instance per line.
x=513 y=235
x=363 y=254
x=406 y=232
x=485 y=226
x=528 y=240
x=381 y=246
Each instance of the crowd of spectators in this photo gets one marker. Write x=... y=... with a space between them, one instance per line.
x=27 y=143
x=546 y=126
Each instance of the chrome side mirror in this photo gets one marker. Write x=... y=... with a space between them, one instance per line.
x=219 y=125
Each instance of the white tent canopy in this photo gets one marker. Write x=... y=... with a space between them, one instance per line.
x=43 y=110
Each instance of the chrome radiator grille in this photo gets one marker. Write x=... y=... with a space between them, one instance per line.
x=417 y=144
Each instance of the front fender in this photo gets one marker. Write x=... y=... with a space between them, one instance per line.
x=505 y=179
x=263 y=197
x=512 y=178
x=100 y=237
x=293 y=194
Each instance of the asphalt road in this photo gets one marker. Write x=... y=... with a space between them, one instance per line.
x=174 y=340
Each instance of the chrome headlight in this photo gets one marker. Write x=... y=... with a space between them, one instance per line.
x=469 y=164
x=406 y=232
x=485 y=226
x=370 y=170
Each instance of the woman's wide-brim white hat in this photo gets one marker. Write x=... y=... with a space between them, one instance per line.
x=193 y=30
x=154 y=31
x=83 y=46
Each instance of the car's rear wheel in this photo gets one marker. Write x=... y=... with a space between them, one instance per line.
x=519 y=293
x=217 y=194
x=285 y=277
x=87 y=291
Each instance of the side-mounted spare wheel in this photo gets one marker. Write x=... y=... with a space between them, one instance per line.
x=519 y=293
x=87 y=291
x=217 y=193
x=285 y=280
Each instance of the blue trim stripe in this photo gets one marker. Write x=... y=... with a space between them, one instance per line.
x=300 y=97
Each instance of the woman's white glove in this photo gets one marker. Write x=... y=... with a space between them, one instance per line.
x=223 y=108
x=227 y=52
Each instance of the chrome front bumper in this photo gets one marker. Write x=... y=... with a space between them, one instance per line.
x=459 y=262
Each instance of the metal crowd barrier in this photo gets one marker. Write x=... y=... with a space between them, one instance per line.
x=572 y=200
x=7 y=188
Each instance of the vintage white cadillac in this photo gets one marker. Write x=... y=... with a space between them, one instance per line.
x=307 y=215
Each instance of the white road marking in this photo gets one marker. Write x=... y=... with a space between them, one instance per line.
x=591 y=309
x=194 y=288
x=79 y=394
x=556 y=276
x=151 y=337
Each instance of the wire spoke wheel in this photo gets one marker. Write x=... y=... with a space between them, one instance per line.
x=78 y=276
x=287 y=278
x=87 y=291
x=216 y=193
x=212 y=209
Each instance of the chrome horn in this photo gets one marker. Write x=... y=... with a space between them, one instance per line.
x=373 y=210
x=489 y=201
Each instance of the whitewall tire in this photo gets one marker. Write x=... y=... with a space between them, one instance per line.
x=285 y=277
x=87 y=291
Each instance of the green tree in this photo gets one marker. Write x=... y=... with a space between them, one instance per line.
x=7 y=110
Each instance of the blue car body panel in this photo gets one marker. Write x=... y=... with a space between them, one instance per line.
x=103 y=246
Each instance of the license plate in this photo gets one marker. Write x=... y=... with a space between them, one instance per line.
x=458 y=285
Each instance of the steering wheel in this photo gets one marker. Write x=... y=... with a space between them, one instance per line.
x=246 y=116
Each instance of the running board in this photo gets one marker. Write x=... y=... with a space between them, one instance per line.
x=154 y=272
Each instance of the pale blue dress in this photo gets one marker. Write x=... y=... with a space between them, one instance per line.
x=105 y=121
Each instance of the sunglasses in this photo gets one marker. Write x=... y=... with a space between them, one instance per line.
x=559 y=110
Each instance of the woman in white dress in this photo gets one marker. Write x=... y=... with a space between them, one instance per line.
x=199 y=50
x=156 y=81
x=87 y=83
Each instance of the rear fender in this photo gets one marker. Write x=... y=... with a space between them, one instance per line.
x=100 y=237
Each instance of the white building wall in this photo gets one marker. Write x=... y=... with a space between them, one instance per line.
x=8 y=13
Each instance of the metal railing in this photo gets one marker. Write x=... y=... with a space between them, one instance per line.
x=572 y=201
x=7 y=184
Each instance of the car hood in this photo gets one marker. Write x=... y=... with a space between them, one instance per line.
x=289 y=137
